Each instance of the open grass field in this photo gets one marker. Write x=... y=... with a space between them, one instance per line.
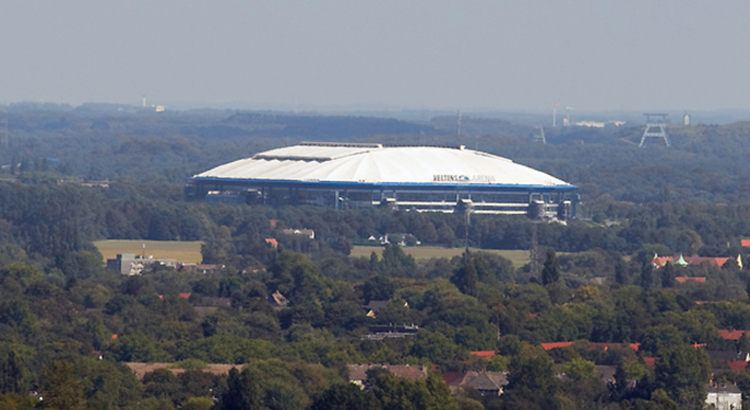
x=518 y=257
x=186 y=252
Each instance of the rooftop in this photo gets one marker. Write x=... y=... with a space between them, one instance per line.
x=377 y=163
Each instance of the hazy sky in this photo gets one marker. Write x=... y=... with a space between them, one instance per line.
x=519 y=54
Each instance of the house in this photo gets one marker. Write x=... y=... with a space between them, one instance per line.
x=483 y=354
x=683 y=279
x=660 y=261
x=718 y=262
x=278 y=299
x=374 y=307
x=131 y=264
x=606 y=373
x=181 y=295
x=218 y=302
x=486 y=383
x=391 y=330
x=358 y=372
x=200 y=267
x=273 y=242
x=733 y=334
x=605 y=346
x=304 y=232
x=724 y=397
x=140 y=369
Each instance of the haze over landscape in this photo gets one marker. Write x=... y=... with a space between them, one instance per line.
x=348 y=205
x=475 y=55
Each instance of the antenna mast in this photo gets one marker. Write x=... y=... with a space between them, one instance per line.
x=458 y=124
x=554 y=114
x=567 y=116
x=534 y=254
x=5 y=128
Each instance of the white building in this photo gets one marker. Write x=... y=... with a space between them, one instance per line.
x=724 y=397
x=348 y=175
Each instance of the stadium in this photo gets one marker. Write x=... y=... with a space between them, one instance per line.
x=422 y=178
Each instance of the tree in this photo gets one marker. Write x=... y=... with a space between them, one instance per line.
x=531 y=383
x=621 y=273
x=161 y=383
x=11 y=374
x=647 y=276
x=743 y=343
x=582 y=386
x=345 y=397
x=60 y=388
x=242 y=393
x=401 y=393
x=465 y=278
x=378 y=288
x=580 y=370
x=657 y=338
x=667 y=276
x=551 y=269
x=683 y=372
x=396 y=262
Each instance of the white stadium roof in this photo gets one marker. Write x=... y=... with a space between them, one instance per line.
x=375 y=163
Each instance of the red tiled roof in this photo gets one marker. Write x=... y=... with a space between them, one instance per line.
x=633 y=346
x=660 y=261
x=697 y=260
x=737 y=365
x=745 y=243
x=553 y=345
x=273 y=242
x=185 y=295
x=649 y=361
x=533 y=315
x=732 y=334
x=483 y=353
x=451 y=377
x=683 y=279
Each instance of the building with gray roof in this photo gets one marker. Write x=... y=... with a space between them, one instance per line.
x=343 y=175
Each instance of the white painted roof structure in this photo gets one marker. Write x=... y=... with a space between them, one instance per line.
x=375 y=163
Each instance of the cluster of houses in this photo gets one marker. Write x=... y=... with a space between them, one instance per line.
x=719 y=396
x=491 y=383
x=131 y=264
x=487 y=383
x=660 y=261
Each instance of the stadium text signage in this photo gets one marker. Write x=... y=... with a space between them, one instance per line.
x=463 y=178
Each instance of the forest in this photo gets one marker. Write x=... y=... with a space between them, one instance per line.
x=68 y=326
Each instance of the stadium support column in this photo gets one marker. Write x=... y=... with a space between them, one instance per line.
x=336 y=199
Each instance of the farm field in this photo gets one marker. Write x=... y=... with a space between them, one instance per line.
x=518 y=257
x=186 y=252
